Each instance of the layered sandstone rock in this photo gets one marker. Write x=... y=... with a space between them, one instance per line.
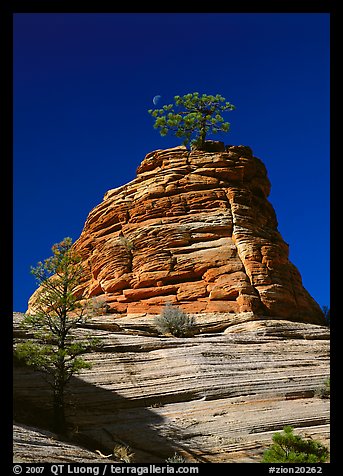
x=193 y=228
x=34 y=445
x=211 y=398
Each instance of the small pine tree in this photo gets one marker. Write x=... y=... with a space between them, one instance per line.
x=57 y=311
x=194 y=116
x=174 y=321
x=290 y=448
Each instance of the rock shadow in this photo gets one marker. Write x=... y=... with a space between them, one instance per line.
x=98 y=418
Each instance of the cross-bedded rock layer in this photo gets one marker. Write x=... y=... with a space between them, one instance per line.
x=215 y=397
x=194 y=228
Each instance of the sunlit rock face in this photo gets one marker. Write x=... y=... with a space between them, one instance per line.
x=194 y=228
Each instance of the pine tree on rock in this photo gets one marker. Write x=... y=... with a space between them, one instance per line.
x=192 y=117
x=57 y=312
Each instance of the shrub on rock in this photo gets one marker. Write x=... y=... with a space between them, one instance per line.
x=174 y=321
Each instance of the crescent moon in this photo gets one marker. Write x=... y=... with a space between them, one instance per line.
x=156 y=99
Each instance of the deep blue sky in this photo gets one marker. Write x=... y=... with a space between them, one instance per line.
x=83 y=84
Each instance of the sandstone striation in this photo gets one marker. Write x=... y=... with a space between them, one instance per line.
x=194 y=228
x=34 y=445
x=211 y=398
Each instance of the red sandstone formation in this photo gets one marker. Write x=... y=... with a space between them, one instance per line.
x=193 y=228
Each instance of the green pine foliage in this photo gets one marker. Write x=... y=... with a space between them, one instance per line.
x=57 y=311
x=290 y=448
x=192 y=117
x=324 y=390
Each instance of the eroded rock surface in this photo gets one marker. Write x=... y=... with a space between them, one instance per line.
x=34 y=445
x=212 y=398
x=196 y=229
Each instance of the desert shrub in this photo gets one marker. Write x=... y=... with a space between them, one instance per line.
x=176 y=458
x=174 y=321
x=123 y=453
x=324 y=390
x=98 y=306
x=126 y=242
x=290 y=448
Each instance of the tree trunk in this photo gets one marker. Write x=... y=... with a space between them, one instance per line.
x=59 y=421
x=59 y=384
x=202 y=136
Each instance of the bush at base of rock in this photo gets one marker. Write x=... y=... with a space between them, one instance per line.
x=174 y=321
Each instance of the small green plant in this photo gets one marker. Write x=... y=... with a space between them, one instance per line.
x=290 y=448
x=176 y=458
x=126 y=242
x=174 y=321
x=324 y=390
